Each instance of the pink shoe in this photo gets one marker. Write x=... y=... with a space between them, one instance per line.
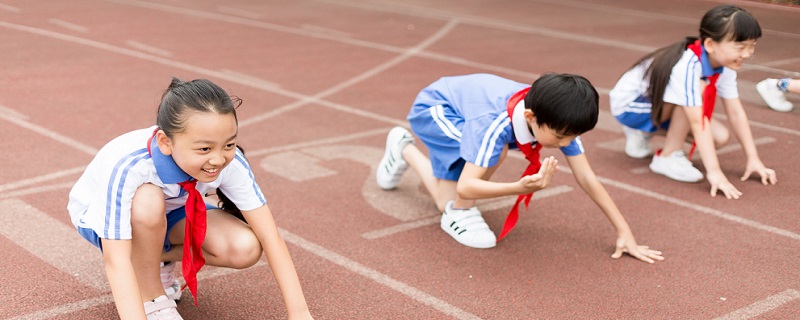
x=162 y=308
x=171 y=285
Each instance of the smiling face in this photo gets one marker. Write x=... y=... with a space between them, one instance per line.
x=545 y=136
x=205 y=147
x=729 y=53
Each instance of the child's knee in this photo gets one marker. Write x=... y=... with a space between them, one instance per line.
x=243 y=250
x=148 y=207
x=721 y=135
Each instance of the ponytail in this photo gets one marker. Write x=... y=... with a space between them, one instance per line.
x=659 y=71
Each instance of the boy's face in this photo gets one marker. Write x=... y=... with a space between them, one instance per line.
x=545 y=136
x=206 y=146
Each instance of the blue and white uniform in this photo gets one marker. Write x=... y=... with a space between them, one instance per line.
x=100 y=202
x=631 y=106
x=464 y=118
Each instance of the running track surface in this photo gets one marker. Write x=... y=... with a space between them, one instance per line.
x=322 y=83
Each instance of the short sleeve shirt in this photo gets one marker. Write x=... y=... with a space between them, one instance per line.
x=685 y=86
x=101 y=198
x=480 y=100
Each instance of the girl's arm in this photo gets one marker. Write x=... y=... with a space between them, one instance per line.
x=701 y=131
x=122 y=279
x=588 y=181
x=741 y=127
x=263 y=225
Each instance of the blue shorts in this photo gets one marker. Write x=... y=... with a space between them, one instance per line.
x=439 y=127
x=638 y=116
x=173 y=217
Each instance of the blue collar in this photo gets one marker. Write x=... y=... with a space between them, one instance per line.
x=166 y=168
x=706 y=65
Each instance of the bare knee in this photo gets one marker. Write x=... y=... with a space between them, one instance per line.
x=148 y=207
x=721 y=135
x=242 y=250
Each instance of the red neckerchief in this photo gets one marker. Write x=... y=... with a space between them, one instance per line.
x=709 y=94
x=532 y=154
x=194 y=232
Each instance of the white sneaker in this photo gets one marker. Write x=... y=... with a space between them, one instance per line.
x=162 y=308
x=170 y=282
x=467 y=227
x=392 y=166
x=676 y=166
x=637 y=143
x=774 y=97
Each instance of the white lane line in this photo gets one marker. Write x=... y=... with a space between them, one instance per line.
x=682 y=203
x=319 y=29
x=34 y=231
x=148 y=48
x=326 y=141
x=505 y=202
x=251 y=78
x=206 y=273
x=11 y=113
x=372 y=274
x=380 y=233
x=67 y=308
x=698 y=208
x=363 y=76
x=303 y=98
x=733 y=147
x=68 y=25
x=49 y=133
x=9 y=8
x=35 y=190
x=42 y=178
x=760 y=307
x=764 y=125
x=240 y=12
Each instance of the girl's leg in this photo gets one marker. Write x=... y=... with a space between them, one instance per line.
x=720 y=133
x=679 y=129
x=149 y=224
x=229 y=242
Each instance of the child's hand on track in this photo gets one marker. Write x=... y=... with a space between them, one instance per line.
x=756 y=166
x=720 y=183
x=627 y=244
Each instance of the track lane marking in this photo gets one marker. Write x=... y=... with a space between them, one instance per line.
x=763 y=306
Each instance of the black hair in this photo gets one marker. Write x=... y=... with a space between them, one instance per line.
x=721 y=23
x=199 y=95
x=567 y=103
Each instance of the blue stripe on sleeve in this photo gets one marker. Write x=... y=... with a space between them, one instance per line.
x=240 y=157
x=115 y=210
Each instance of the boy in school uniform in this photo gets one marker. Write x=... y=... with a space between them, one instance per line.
x=469 y=122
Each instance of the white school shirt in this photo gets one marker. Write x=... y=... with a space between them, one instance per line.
x=101 y=199
x=684 y=87
x=481 y=99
